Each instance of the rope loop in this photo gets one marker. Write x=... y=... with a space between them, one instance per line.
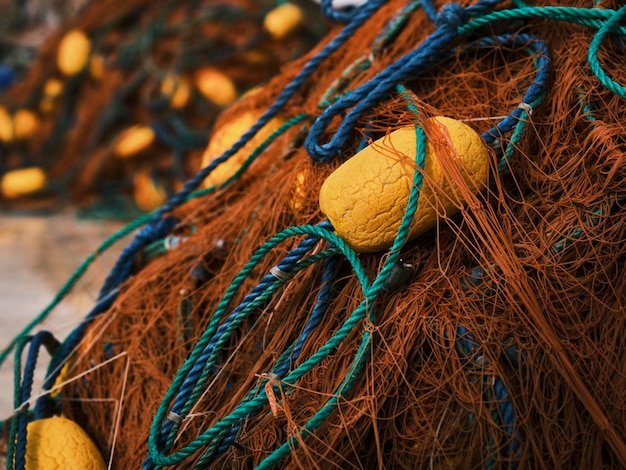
x=452 y=15
x=337 y=16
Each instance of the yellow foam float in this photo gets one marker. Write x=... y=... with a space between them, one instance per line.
x=73 y=52
x=225 y=136
x=148 y=195
x=177 y=89
x=366 y=197
x=22 y=182
x=283 y=20
x=133 y=141
x=20 y=126
x=60 y=443
x=52 y=91
x=215 y=86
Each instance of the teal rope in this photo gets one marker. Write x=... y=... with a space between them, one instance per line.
x=610 y=26
x=371 y=293
x=17 y=399
x=366 y=307
x=605 y=21
x=591 y=17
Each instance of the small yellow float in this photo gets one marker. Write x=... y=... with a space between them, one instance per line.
x=73 y=52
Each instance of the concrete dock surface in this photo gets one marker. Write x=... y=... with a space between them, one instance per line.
x=37 y=256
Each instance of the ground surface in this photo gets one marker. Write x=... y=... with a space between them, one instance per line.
x=37 y=256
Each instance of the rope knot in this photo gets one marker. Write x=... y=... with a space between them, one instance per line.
x=452 y=15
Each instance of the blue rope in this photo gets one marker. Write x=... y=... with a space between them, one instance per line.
x=196 y=377
x=42 y=338
x=337 y=16
x=432 y=50
x=124 y=264
x=43 y=407
x=291 y=355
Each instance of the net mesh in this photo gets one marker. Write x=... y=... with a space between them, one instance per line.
x=503 y=348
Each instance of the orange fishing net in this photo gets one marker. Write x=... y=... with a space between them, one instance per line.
x=499 y=346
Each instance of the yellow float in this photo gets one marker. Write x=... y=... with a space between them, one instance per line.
x=215 y=86
x=60 y=443
x=22 y=182
x=177 y=89
x=73 y=52
x=225 y=136
x=283 y=20
x=366 y=197
x=148 y=195
x=133 y=140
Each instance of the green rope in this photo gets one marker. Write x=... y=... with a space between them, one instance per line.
x=591 y=17
x=610 y=26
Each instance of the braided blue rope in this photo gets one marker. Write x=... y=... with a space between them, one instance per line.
x=43 y=407
x=42 y=338
x=429 y=52
x=197 y=375
x=123 y=266
x=286 y=361
x=337 y=16
x=505 y=411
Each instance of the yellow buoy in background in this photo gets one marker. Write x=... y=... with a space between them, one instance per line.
x=133 y=140
x=225 y=136
x=148 y=195
x=96 y=67
x=59 y=443
x=215 y=86
x=6 y=126
x=52 y=91
x=25 y=124
x=366 y=197
x=283 y=20
x=298 y=191
x=73 y=52
x=20 y=126
x=22 y=182
x=177 y=89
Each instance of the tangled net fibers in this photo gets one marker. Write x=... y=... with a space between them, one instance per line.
x=122 y=98
x=238 y=330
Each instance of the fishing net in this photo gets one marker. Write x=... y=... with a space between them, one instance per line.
x=121 y=99
x=238 y=330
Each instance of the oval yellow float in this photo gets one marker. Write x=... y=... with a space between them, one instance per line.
x=58 y=442
x=283 y=20
x=25 y=124
x=215 y=86
x=148 y=195
x=6 y=125
x=22 y=182
x=73 y=52
x=225 y=136
x=366 y=197
x=177 y=89
x=133 y=140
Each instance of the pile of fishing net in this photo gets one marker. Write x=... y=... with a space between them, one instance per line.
x=457 y=301
x=121 y=99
